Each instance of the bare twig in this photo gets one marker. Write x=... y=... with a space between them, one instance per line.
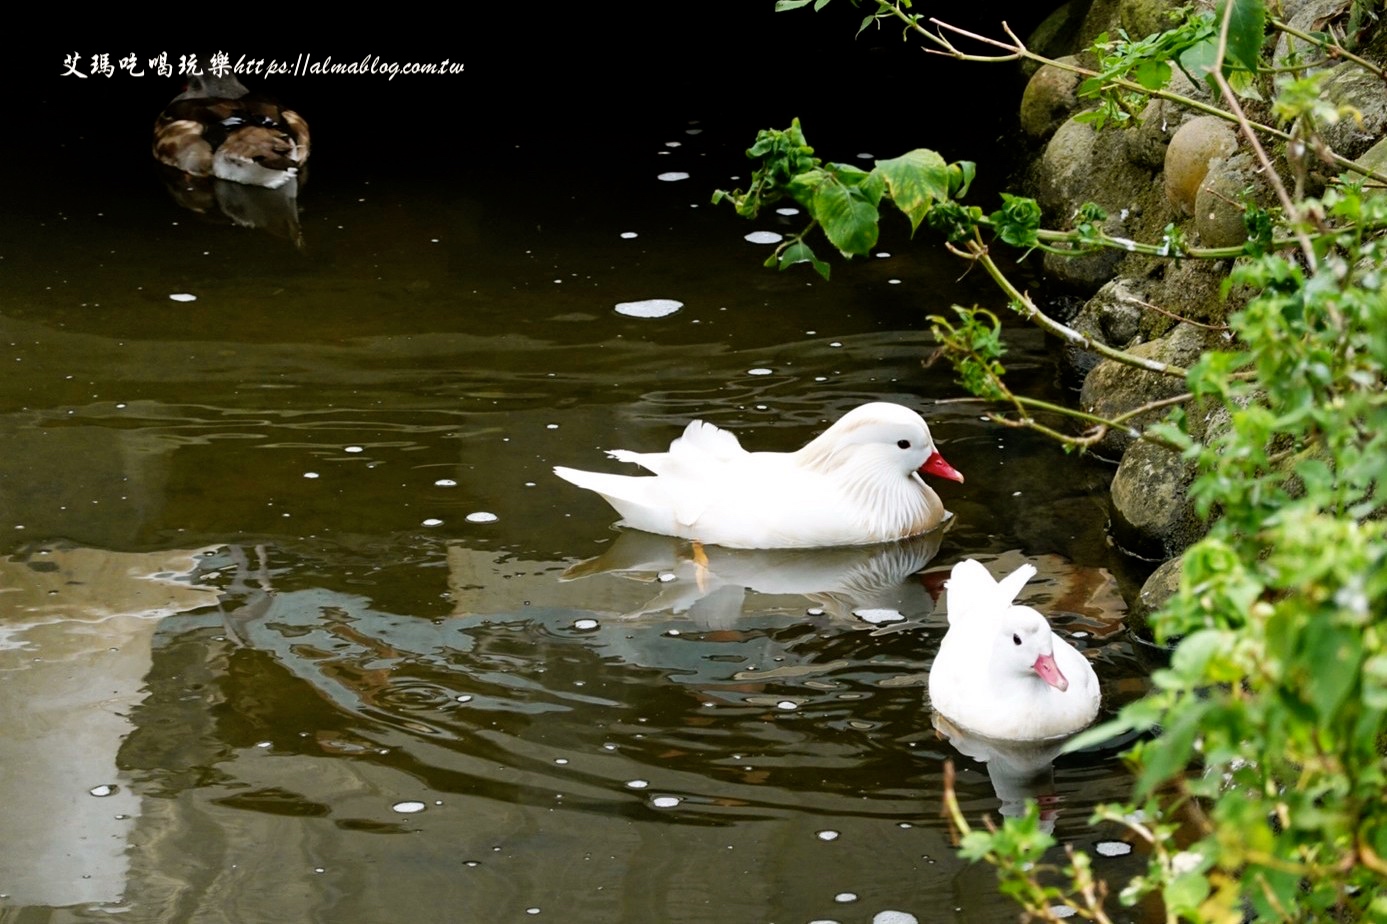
x=1181 y=318
x=1334 y=49
x=1024 y=306
x=1230 y=98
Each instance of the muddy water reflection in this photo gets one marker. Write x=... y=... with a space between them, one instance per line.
x=346 y=700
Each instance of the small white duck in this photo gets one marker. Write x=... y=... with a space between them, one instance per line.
x=218 y=128
x=857 y=483
x=1001 y=672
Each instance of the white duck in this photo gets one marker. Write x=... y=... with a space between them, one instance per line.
x=1001 y=672
x=856 y=483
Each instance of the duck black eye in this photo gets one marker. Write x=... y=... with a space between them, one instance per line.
x=903 y=444
x=1015 y=639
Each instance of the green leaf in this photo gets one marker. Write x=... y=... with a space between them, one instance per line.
x=800 y=252
x=1017 y=221
x=782 y=6
x=1247 y=21
x=915 y=180
x=1331 y=657
x=1198 y=60
x=1194 y=652
x=1185 y=893
x=847 y=214
x=1170 y=753
x=1153 y=75
x=961 y=175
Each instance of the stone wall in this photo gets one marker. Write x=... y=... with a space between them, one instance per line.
x=1172 y=166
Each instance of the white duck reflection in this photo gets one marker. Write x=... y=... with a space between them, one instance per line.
x=710 y=583
x=1019 y=770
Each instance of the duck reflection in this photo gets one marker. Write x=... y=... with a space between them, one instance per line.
x=710 y=583
x=217 y=201
x=1019 y=770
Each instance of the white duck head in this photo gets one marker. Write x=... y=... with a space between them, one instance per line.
x=875 y=437
x=1023 y=650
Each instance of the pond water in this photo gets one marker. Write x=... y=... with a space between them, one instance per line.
x=298 y=625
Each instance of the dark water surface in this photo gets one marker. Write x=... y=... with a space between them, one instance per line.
x=264 y=657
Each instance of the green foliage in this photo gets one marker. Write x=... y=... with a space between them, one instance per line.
x=1262 y=773
x=1017 y=221
x=844 y=201
x=1127 y=67
x=975 y=346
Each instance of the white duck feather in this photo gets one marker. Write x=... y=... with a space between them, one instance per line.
x=1001 y=671
x=856 y=483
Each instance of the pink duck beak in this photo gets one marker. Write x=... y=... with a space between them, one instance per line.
x=1049 y=672
x=935 y=465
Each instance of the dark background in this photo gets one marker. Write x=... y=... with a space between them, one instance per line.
x=550 y=87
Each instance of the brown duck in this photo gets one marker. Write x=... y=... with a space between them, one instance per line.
x=218 y=128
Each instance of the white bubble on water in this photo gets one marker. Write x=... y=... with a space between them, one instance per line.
x=445 y=483
x=649 y=308
x=1113 y=848
x=637 y=784
x=183 y=297
x=408 y=808
x=432 y=521
x=764 y=237
x=894 y=917
x=310 y=474
x=481 y=516
x=585 y=624
x=877 y=616
x=787 y=210
x=353 y=448
x=826 y=835
x=665 y=801
x=760 y=370
x=105 y=789
x=843 y=898
x=787 y=705
x=673 y=176
x=629 y=235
